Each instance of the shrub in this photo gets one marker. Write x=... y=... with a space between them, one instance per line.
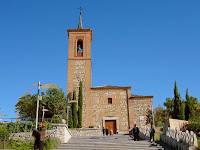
x=194 y=126
x=4 y=132
x=91 y=126
x=56 y=119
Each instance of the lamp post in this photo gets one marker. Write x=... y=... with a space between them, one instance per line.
x=43 y=112
x=43 y=87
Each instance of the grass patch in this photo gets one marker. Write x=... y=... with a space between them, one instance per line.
x=198 y=139
x=158 y=133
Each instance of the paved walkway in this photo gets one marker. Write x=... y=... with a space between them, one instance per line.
x=115 y=142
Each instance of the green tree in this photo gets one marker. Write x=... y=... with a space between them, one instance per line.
x=54 y=100
x=179 y=109
x=182 y=110
x=70 y=121
x=187 y=106
x=74 y=110
x=169 y=104
x=176 y=103
x=190 y=106
x=161 y=116
x=80 y=105
x=27 y=106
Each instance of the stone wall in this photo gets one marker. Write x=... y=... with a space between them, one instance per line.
x=60 y=132
x=85 y=132
x=28 y=135
x=102 y=109
x=177 y=124
x=179 y=140
x=138 y=108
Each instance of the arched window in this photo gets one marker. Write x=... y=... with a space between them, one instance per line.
x=80 y=48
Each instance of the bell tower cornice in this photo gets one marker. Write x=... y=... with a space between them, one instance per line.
x=71 y=31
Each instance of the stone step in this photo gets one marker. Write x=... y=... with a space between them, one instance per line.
x=116 y=142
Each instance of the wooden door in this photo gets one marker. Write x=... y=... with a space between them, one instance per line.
x=111 y=124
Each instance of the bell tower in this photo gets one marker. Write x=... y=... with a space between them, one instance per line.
x=79 y=66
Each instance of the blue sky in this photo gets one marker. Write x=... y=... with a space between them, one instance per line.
x=144 y=44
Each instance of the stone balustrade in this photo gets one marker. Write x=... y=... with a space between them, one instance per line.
x=144 y=133
x=178 y=139
x=85 y=132
x=60 y=132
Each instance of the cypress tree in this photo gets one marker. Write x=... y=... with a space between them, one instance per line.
x=176 y=103
x=187 y=106
x=182 y=110
x=70 y=121
x=74 y=110
x=193 y=101
x=80 y=105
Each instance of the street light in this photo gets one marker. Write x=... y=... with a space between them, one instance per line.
x=43 y=87
x=43 y=112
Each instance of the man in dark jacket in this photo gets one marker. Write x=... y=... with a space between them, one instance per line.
x=107 y=131
x=39 y=137
x=152 y=133
x=136 y=133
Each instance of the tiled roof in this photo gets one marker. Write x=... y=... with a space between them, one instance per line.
x=140 y=96
x=111 y=87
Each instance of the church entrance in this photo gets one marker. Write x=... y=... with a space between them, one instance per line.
x=111 y=124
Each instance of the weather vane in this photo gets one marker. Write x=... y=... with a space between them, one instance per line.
x=80 y=9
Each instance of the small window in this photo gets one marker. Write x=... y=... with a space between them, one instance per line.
x=80 y=48
x=109 y=100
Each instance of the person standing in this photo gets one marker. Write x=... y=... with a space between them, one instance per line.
x=39 y=137
x=111 y=132
x=152 y=133
x=117 y=131
x=36 y=135
x=136 y=133
x=107 y=131
x=103 y=131
x=42 y=135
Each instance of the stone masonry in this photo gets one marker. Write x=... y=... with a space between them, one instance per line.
x=124 y=109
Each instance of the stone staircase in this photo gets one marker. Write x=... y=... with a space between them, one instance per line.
x=115 y=142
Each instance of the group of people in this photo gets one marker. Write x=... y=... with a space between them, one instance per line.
x=135 y=132
x=39 y=135
x=107 y=131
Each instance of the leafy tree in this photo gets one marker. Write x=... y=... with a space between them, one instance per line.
x=27 y=106
x=169 y=104
x=161 y=116
x=74 y=111
x=56 y=119
x=80 y=105
x=54 y=100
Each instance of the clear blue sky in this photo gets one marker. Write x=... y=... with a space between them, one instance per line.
x=146 y=44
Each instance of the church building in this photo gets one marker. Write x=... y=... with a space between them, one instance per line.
x=103 y=106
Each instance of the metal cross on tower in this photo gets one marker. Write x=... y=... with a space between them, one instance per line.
x=80 y=9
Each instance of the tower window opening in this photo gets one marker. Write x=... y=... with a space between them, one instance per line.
x=109 y=100
x=80 y=48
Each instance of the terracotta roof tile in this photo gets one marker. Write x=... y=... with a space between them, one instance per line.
x=110 y=87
